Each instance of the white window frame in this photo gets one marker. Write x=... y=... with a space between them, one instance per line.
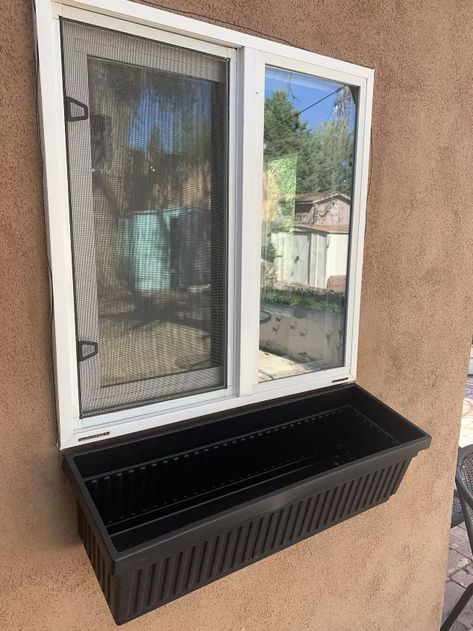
x=248 y=56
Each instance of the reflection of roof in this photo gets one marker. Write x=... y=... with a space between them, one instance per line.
x=312 y=198
x=327 y=228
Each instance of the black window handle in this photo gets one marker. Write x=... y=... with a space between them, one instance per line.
x=70 y=117
x=83 y=353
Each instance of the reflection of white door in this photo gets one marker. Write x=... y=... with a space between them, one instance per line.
x=299 y=263
x=318 y=260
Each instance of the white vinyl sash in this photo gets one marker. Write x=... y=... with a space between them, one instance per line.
x=146 y=127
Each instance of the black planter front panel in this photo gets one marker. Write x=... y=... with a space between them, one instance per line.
x=162 y=516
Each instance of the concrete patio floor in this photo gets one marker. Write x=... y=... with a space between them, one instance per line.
x=460 y=556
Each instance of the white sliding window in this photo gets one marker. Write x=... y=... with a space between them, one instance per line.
x=146 y=137
x=205 y=194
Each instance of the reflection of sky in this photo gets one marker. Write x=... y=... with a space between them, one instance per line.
x=303 y=91
x=150 y=113
x=157 y=109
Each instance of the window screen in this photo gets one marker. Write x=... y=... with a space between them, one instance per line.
x=147 y=154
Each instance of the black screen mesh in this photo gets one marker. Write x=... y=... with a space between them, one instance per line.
x=147 y=173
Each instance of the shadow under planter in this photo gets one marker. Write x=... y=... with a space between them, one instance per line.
x=165 y=514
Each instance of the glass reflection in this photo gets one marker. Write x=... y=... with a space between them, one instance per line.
x=309 y=132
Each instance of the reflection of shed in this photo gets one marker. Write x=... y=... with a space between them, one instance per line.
x=323 y=208
x=311 y=256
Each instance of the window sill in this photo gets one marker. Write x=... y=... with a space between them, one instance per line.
x=164 y=515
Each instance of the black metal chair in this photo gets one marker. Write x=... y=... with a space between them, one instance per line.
x=457 y=513
x=462 y=511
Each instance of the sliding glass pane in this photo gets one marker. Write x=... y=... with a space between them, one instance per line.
x=153 y=283
x=309 y=134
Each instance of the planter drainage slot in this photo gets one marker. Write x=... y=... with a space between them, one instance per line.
x=163 y=515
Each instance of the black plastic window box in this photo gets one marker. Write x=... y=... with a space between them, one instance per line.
x=163 y=515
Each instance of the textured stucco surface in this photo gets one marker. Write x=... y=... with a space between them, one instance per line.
x=385 y=569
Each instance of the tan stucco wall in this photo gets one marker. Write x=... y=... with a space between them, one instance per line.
x=385 y=569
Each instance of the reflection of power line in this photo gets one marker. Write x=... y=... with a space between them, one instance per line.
x=307 y=108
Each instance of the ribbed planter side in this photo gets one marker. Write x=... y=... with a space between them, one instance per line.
x=136 y=592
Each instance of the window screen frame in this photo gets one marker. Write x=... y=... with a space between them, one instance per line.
x=111 y=46
x=248 y=56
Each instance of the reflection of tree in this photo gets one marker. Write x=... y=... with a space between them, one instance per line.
x=324 y=154
x=300 y=159
x=280 y=190
x=151 y=150
x=127 y=97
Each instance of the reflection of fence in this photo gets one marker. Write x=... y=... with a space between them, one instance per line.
x=303 y=335
x=309 y=257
